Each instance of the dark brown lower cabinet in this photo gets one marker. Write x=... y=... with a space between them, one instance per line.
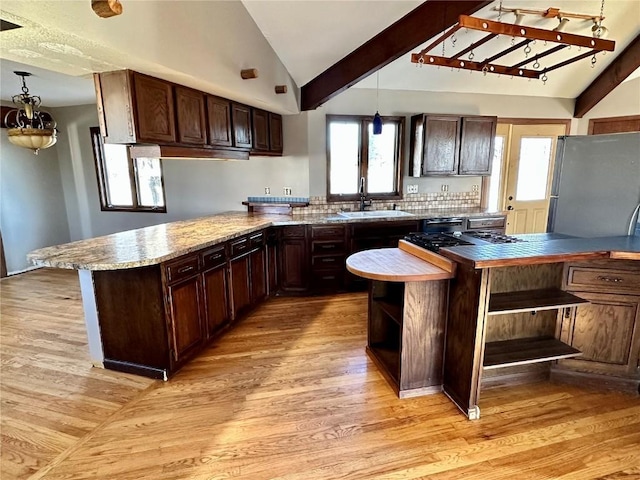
x=272 y=262
x=216 y=303
x=294 y=260
x=185 y=307
x=239 y=272
x=258 y=273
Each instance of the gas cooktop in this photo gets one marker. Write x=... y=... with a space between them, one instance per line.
x=436 y=241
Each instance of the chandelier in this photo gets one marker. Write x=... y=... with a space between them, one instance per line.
x=27 y=126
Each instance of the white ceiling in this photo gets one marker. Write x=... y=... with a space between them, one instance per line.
x=307 y=35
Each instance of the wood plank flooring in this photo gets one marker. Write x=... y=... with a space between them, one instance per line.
x=287 y=394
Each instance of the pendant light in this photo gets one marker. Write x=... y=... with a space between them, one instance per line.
x=377 y=119
x=27 y=126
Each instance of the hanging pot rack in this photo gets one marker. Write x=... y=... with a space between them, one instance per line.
x=528 y=35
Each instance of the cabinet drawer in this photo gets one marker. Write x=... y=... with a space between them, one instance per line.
x=330 y=280
x=256 y=240
x=239 y=246
x=327 y=261
x=327 y=231
x=181 y=268
x=213 y=257
x=603 y=279
x=327 y=247
x=295 y=231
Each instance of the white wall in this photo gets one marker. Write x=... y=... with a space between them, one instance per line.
x=622 y=101
x=193 y=187
x=32 y=208
x=360 y=101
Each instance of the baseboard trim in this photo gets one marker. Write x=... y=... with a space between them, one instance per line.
x=136 y=369
x=596 y=381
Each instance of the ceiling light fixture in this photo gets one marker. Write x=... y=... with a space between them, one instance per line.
x=27 y=126
x=377 y=119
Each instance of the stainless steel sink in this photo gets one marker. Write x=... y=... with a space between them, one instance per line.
x=375 y=214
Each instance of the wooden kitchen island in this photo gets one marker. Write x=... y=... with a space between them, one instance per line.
x=408 y=294
x=521 y=312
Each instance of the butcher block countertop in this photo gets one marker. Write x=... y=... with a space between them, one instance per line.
x=407 y=263
x=539 y=252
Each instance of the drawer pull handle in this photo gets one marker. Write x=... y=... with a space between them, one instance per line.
x=328 y=260
x=329 y=277
x=186 y=269
x=215 y=257
x=327 y=247
x=602 y=278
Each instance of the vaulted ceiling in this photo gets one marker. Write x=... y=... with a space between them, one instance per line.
x=307 y=36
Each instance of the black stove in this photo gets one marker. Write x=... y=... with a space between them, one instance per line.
x=435 y=241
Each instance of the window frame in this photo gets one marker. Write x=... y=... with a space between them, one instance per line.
x=97 y=144
x=363 y=156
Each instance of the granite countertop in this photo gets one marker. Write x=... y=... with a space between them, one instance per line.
x=156 y=244
x=544 y=251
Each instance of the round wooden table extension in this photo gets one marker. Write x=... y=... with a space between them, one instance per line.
x=393 y=265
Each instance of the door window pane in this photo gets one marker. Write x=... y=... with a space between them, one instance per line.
x=149 y=182
x=533 y=169
x=382 y=148
x=344 y=151
x=116 y=163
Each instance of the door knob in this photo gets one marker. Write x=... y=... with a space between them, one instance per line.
x=509 y=207
x=510 y=197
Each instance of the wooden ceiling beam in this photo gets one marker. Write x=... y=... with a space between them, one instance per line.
x=612 y=76
x=412 y=30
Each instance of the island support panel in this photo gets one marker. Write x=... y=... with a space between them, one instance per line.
x=406 y=334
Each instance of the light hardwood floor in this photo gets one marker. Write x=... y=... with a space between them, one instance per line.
x=288 y=394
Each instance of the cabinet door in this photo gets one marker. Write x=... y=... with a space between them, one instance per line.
x=239 y=285
x=476 y=145
x=607 y=332
x=191 y=118
x=275 y=132
x=441 y=145
x=154 y=110
x=219 y=116
x=258 y=276
x=241 y=121
x=185 y=306
x=260 y=130
x=294 y=266
x=272 y=268
x=216 y=304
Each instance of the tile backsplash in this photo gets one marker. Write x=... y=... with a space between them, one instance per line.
x=417 y=201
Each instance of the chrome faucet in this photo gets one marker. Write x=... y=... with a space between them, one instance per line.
x=363 y=202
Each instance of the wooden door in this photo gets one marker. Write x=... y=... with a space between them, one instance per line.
x=239 y=284
x=260 y=129
x=241 y=121
x=531 y=158
x=275 y=132
x=155 y=120
x=216 y=304
x=476 y=145
x=185 y=305
x=294 y=264
x=607 y=332
x=441 y=152
x=190 y=115
x=219 y=115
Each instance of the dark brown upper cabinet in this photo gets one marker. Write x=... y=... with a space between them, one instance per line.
x=260 y=130
x=241 y=121
x=191 y=116
x=451 y=145
x=219 y=120
x=275 y=133
x=135 y=108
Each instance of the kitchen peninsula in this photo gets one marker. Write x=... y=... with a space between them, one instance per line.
x=154 y=297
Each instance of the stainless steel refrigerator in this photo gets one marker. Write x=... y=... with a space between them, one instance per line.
x=596 y=186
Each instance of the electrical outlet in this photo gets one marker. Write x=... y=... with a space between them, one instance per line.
x=267 y=191
x=474 y=188
x=286 y=190
x=444 y=188
x=412 y=188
